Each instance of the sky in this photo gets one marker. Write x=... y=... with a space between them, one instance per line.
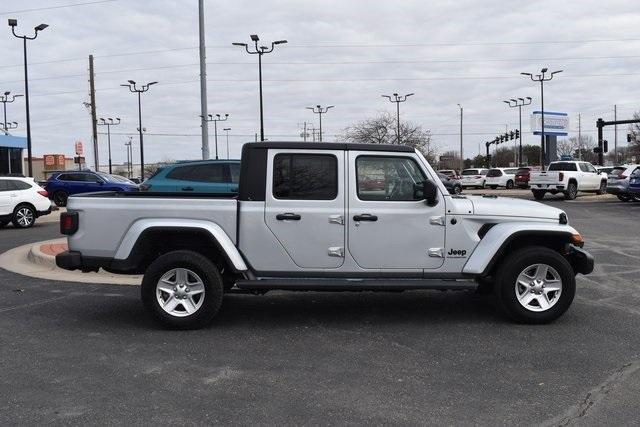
x=343 y=53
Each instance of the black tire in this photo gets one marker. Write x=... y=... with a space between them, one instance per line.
x=457 y=189
x=572 y=191
x=206 y=271
x=493 y=187
x=509 y=185
x=518 y=262
x=538 y=194
x=24 y=216
x=60 y=198
x=603 y=188
x=623 y=197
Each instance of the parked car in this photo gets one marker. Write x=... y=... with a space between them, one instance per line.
x=301 y=221
x=568 y=177
x=501 y=177
x=605 y=169
x=22 y=201
x=61 y=185
x=634 y=184
x=522 y=177
x=201 y=176
x=618 y=181
x=451 y=173
x=474 y=177
x=452 y=185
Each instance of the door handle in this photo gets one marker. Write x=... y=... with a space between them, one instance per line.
x=187 y=188
x=288 y=217
x=365 y=217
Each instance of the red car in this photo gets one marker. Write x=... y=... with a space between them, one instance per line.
x=522 y=177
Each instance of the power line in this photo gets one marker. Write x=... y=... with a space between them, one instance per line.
x=57 y=7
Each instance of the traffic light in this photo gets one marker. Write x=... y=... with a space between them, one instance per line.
x=517 y=134
x=501 y=139
x=512 y=135
x=506 y=136
x=605 y=144
x=628 y=137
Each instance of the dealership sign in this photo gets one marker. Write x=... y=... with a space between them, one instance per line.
x=554 y=123
x=54 y=162
x=79 y=148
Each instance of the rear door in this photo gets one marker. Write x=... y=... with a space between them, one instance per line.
x=5 y=198
x=305 y=205
x=590 y=178
x=392 y=227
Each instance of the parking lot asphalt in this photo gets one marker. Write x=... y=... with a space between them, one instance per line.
x=87 y=354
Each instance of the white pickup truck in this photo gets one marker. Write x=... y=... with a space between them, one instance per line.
x=568 y=177
x=327 y=217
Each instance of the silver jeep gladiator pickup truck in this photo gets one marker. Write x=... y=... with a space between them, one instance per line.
x=327 y=217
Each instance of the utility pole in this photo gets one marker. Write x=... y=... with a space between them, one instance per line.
x=203 y=83
x=579 y=137
x=94 y=119
x=129 y=156
x=615 y=135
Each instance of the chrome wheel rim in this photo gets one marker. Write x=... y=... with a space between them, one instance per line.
x=538 y=287
x=24 y=217
x=180 y=292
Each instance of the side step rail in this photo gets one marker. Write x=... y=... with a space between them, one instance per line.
x=322 y=285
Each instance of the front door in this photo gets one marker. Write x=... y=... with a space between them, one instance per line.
x=390 y=225
x=304 y=205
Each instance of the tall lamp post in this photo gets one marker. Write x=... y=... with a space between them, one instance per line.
x=13 y=23
x=461 y=153
x=227 y=131
x=260 y=50
x=398 y=99
x=542 y=77
x=519 y=102
x=108 y=123
x=6 y=127
x=320 y=111
x=5 y=99
x=215 y=119
x=139 y=90
x=129 y=157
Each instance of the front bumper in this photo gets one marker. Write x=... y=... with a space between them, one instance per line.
x=581 y=260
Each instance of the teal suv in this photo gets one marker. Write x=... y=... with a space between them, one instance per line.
x=203 y=176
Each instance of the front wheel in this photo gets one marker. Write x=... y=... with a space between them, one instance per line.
x=535 y=285
x=572 y=191
x=182 y=290
x=623 y=197
x=603 y=188
x=509 y=185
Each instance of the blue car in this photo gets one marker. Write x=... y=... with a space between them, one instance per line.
x=61 y=185
x=201 y=176
x=634 y=185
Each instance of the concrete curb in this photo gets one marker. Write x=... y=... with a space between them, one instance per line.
x=29 y=260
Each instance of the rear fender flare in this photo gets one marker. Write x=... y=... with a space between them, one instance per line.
x=137 y=228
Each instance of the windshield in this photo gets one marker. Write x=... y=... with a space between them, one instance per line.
x=562 y=166
x=470 y=172
x=523 y=171
x=615 y=172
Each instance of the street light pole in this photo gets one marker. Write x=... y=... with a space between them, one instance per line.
x=320 y=111
x=108 y=123
x=260 y=50
x=134 y=89
x=397 y=99
x=519 y=102
x=129 y=156
x=6 y=100
x=215 y=121
x=13 y=23
x=227 y=130
x=461 y=152
x=542 y=78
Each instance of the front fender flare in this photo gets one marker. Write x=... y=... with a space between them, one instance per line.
x=137 y=228
x=492 y=246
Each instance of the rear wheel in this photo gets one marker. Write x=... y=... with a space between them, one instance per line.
x=623 y=197
x=60 y=198
x=509 y=185
x=182 y=290
x=24 y=216
x=603 y=188
x=457 y=189
x=535 y=285
x=538 y=194
x=572 y=191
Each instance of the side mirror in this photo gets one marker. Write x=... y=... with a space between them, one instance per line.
x=599 y=172
x=427 y=191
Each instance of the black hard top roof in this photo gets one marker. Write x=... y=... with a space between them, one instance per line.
x=328 y=146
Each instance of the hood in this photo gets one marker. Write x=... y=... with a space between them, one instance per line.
x=507 y=206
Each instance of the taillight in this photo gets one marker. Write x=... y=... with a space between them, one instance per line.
x=43 y=193
x=69 y=223
x=560 y=176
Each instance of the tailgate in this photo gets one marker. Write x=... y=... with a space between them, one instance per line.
x=548 y=177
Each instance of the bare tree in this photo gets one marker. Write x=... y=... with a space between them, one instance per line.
x=567 y=147
x=634 y=145
x=383 y=130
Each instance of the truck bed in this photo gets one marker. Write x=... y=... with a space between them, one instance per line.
x=116 y=213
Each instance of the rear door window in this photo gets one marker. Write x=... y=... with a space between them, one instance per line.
x=470 y=172
x=305 y=176
x=494 y=173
